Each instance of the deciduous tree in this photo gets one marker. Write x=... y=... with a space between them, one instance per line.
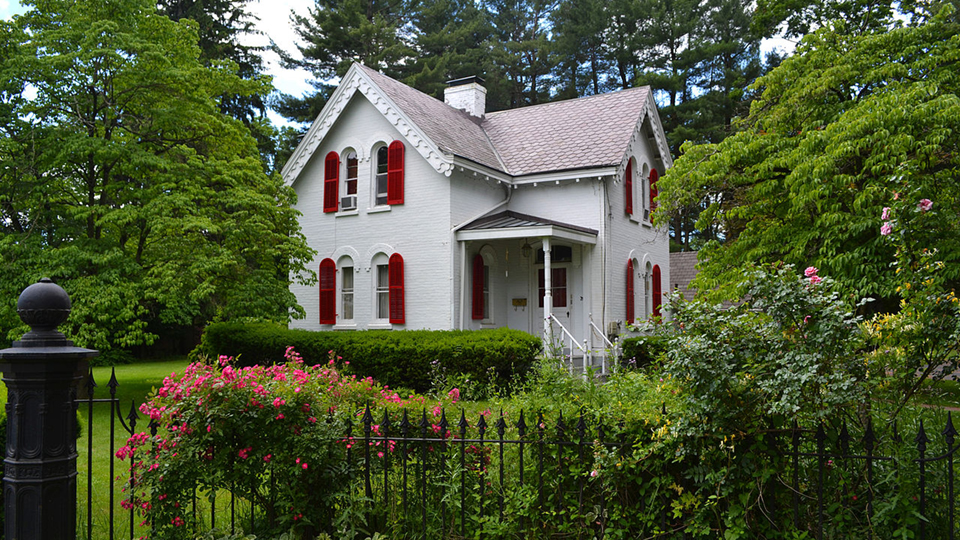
x=127 y=184
x=843 y=127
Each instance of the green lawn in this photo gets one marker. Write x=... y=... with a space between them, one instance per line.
x=135 y=382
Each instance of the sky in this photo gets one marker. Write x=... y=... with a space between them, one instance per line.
x=274 y=23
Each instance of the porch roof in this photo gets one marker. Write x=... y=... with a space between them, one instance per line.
x=511 y=224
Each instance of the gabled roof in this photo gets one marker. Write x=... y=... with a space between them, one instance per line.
x=573 y=134
x=452 y=130
x=583 y=133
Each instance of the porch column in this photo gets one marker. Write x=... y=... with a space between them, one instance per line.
x=547 y=293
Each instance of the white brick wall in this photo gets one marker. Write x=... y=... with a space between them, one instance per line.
x=422 y=231
x=419 y=229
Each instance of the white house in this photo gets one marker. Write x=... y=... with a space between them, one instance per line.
x=429 y=214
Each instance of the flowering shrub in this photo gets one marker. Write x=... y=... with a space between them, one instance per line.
x=792 y=348
x=274 y=435
x=921 y=339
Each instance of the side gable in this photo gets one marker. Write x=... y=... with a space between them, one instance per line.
x=357 y=80
x=651 y=115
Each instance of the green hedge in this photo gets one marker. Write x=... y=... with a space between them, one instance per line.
x=643 y=350
x=406 y=359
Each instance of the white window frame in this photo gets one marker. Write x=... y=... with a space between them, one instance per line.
x=376 y=195
x=347 y=269
x=380 y=261
x=346 y=179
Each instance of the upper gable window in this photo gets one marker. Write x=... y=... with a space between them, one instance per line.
x=628 y=188
x=331 y=182
x=390 y=174
x=348 y=200
x=381 y=180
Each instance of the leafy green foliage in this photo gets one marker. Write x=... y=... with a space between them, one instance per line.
x=838 y=126
x=409 y=359
x=128 y=185
x=791 y=349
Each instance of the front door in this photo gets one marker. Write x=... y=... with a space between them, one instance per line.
x=562 y=292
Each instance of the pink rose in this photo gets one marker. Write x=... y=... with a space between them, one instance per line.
x=886 y=213
x=815 y=279
x=886 y=229
x=810 y=271
x=925 y=205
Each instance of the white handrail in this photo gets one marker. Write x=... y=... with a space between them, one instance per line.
x=599 y=332
x=573 y=341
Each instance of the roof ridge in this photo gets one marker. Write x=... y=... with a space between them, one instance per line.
x=571 y=100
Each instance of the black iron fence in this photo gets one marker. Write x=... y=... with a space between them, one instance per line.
x=527 y=476
x=530 y=477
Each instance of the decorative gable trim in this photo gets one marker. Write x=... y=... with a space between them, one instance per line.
x=357 y=81
x=659 y=137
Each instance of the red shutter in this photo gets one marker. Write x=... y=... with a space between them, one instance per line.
x=630 y=301
x=396 y=289
x=654 y=176
x=331 y=182
x=328 y=292
x=628 y=183
x=395 y=173
x=657 y=297
x=478 y=287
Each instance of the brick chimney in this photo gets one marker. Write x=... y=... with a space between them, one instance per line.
x=467 y=94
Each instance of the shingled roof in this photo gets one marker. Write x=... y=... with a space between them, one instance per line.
x=573 y=134
x=451 y=129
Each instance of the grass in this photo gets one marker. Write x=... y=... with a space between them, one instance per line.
x=135 y=383
x=942 y=393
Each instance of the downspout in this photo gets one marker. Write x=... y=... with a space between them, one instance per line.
x=603 y=255
x=463 y=249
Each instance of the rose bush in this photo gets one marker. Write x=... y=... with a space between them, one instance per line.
x=273 y=435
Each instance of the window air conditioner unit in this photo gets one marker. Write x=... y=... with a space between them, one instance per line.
x=348 y=203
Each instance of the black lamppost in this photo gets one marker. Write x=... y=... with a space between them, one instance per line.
x=41 y=372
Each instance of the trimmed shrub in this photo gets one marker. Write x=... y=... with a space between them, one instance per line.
x=408 y=358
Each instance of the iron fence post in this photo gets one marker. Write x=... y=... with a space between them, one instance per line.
x=42 y=371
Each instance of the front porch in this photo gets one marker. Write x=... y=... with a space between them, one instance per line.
x=536 y=275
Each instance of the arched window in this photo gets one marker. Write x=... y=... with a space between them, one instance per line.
x=349 y=200
x=388 y=185
x=631 y=315
x=331 y=182
x=628 y=188
x=657 y=295
x=647 y=297
x=328 y=292
x=396 y=289
x=346 y=289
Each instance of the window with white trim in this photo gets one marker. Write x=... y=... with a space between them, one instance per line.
x=346 y=293
x=647 y=289
x=381 y=184
x=382 y=293
x=348 y=200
